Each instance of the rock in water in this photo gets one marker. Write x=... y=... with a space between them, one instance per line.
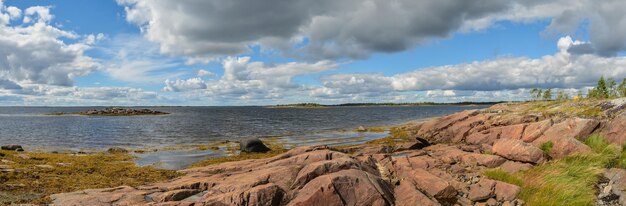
x=117 y=150
x=361 y=129
x=12 y=147
x=252 y=145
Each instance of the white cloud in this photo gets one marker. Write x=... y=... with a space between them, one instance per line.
x=205 y=73
x=40 y=13
x=247 y=80
x=561 y=70
x=14 y=12
x=36 y=54
x=184 y=85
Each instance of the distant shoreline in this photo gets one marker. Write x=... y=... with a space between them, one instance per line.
x=316 y=105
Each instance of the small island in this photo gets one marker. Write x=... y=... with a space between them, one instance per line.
x=113 y=112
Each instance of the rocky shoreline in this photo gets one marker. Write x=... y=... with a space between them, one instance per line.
x=114 y=112
x=445 y=161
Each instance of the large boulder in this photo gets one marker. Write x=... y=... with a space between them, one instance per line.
x=577 y=128
x=346 y=187
x=461 y=129
x=253 y=145
x=505 y=191
x=562 y=146
x=614 y=132
x=617 y=183
x=437 y=130
x=482 y=190
x=565 y=137
x=487 y=136
x=407 y=195
x=13 y=147
x=513 y=167
x=517 y=150
x=535 y=130
x=434 y=186
x=512 y=131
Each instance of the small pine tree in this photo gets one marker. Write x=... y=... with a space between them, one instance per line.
x=547 y=95
x=601 y=90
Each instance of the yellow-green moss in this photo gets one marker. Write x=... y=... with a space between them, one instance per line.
x=32 y=184
x=276 y=149
x=396 y=135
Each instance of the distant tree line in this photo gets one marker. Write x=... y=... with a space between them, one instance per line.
x=383 y=104
x=604 y=89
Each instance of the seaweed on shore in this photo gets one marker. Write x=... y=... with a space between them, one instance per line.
x=29 y=177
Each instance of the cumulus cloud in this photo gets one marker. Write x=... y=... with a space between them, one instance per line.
x=205 y=30
x=184 y=85
x=35 y=53
x=346 y=28
x=204 y=73
x=38 y=94
x=561 y=70
x=244 y=79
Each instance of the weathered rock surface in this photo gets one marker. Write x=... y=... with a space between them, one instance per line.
x=517 y=150
x=442 y=166
x=615 y=131
x=315 y=175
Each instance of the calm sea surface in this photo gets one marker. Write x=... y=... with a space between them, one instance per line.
x=30 y=127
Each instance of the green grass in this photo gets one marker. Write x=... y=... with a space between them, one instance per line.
x=567 y=181
x=32 y=184
x=546 y=147
x=500 y=175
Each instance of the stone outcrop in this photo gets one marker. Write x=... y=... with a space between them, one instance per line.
x=316 y=175
x=120 y=112
x=442 y=165
x=517 y=150
x=615 y=131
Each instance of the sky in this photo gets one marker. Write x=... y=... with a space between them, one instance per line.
x=241 y=52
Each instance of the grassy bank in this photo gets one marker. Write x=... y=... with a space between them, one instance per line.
x=32 y=177
x=566 y=181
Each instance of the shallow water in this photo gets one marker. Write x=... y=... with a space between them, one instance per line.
x=30 y=127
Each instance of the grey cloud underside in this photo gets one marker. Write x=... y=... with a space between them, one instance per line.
x=329 y=29
x=335 y=29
